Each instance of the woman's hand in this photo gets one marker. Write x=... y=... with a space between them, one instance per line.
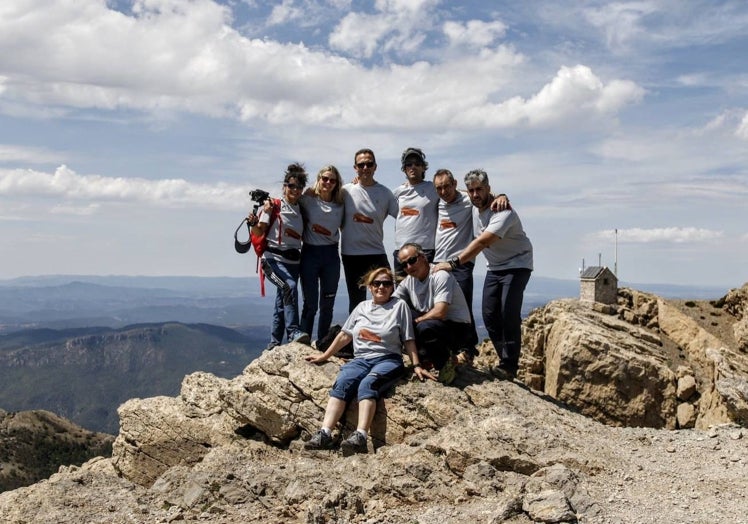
x=316 y=359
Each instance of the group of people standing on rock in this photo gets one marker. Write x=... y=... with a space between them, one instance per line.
x=423 y=306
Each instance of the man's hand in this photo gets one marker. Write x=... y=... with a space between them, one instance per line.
x=500 y=203
x=441 y=266
x=422 y=374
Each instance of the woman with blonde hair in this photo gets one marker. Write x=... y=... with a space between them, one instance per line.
x=322 y=207
x=379 y=329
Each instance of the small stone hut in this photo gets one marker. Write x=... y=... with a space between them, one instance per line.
x=598 y=284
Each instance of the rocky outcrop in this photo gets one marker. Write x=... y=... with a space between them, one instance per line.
x=236 y=447
x=644 y=362
x=481 y=450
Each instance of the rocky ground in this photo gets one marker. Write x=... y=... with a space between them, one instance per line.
x=481 y=450
x=509 y=458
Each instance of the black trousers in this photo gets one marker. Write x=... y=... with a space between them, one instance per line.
x=438 y=339
x=355 y=267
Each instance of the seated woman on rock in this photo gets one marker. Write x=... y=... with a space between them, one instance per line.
x=379 y=328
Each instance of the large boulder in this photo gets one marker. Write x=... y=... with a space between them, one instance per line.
x=608 y=368
x=620 y=365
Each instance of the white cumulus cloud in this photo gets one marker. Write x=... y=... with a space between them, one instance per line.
x=574 y=91
x=186 y=56
x=66 y=184
x=474 y=33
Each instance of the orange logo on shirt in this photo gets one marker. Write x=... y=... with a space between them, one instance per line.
x=360 y=217
x=409 y=212
x=447 y=224
x=365 y=334
x=321 y=230
x=293 y=234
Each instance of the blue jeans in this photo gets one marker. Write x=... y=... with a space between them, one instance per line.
x=464 y=277
x=320 y=273
x=503 y=292
x=367 y=377
x=286 y=312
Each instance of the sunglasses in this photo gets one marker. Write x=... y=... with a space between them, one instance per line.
x=381 y=283
x=410 y=261
x=294 y=187
x=412 y=164
x=362 y=165
x=328 y=179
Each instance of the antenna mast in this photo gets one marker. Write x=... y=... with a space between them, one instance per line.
x=615 y=263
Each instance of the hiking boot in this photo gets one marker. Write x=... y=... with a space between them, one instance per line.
x=503 y=373
x=447 y=373
x=320 y=440
x=302 y=338
x=271 y=345
x=463 y=358
x=356 y=443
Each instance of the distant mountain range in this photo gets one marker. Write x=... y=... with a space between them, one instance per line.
x=65 y=301
x=84 y=374
x=81 y=345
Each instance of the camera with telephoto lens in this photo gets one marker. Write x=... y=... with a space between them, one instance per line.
x=259 y=197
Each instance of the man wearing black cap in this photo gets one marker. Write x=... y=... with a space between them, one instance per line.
x=418 y=207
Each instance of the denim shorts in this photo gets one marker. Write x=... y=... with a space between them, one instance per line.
x=367 y=378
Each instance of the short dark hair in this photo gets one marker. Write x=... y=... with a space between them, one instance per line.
x=365 y=150
x=444 y=172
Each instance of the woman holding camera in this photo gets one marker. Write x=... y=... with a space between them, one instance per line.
x=379 y=328
x=322 y=206
x=281 y=259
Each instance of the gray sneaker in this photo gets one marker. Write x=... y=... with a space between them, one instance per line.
x=355 y=443
x=319 y=440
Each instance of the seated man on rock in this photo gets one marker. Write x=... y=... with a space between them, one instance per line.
x=441 y=317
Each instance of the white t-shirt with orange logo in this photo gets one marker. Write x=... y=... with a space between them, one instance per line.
x=379 y=329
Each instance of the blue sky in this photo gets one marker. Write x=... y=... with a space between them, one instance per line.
x=132 y=131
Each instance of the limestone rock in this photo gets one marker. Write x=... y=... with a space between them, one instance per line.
x=686 y=387
x=548 y=506
x=606 y=367
x=686 y=415
x=636 y=367
x=720 y=369
x=161 y=432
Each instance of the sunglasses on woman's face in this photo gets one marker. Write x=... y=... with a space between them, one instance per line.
x=327 y=179
x=381 y=283
x=294 y=187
